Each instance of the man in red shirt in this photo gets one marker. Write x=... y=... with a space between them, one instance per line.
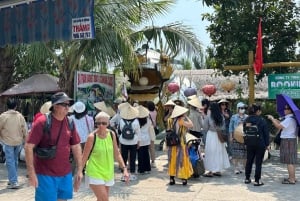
x=52 y=178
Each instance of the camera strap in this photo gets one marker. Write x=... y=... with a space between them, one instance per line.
x=59 y=132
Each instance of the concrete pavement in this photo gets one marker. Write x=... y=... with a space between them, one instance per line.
x=155 y=186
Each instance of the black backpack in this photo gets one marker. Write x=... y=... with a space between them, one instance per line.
x=48 y=123
x=127 y=131
x=251 y=134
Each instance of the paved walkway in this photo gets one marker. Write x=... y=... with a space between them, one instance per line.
x=154 y=186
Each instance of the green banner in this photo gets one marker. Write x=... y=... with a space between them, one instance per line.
x=288 y=84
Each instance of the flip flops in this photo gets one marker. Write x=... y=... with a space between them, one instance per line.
x=287 y=181
x=247 y=181
x=259 y=183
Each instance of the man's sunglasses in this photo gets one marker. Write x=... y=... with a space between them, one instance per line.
x=64 y=104
x=100 y=123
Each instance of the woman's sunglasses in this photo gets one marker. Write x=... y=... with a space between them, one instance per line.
x=100 y=123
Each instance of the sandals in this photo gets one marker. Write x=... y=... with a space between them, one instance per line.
x=218 y=174
x=247 y=181
x=208 y=175
x=258 y=183
x=287 y=181
x=172 y=180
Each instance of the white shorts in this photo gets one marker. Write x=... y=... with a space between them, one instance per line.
x=93 y=181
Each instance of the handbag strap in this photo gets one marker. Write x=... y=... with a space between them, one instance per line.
x=87 y=124
x=174 y=125
x=151 y=119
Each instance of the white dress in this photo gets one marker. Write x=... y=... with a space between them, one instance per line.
x=216 y=157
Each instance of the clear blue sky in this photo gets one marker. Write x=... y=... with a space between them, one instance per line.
x=189 y=13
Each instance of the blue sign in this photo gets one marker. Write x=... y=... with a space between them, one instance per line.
x=47 y=20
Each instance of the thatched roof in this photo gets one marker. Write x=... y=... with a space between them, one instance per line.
x=210 y=76
x=39 y=83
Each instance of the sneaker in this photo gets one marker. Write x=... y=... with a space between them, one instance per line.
x=13 y=186
x=132 y=177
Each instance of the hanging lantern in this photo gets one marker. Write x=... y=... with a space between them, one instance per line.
x=173 y=87
x=228 y=85
x=209 y=89
x=143 y=81
x=190 y=91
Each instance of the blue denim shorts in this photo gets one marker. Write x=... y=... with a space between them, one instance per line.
x=52 y=188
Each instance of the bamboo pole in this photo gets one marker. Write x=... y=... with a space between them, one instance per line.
x=266 y=65
x=251 y=78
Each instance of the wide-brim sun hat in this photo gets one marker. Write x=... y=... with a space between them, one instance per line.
x=128 y=112
x=79 y=107
x=143 y=112
x=60 y=97
x=195 y=102
x=223 y=101
x=169 y=102
x=178 y=111
x=45 y=108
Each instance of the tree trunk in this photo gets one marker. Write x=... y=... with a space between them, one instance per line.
x=6 y=72
x=66 y=79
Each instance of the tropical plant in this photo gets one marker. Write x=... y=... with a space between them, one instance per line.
x=233 y=31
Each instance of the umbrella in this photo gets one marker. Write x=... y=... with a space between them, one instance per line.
x=282 y=100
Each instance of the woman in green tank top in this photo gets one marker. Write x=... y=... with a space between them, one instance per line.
x=98 y=155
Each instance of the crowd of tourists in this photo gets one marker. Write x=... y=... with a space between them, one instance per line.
x=63 y=131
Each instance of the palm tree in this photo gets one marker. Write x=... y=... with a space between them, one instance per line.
x=115 y=40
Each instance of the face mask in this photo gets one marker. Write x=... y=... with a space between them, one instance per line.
x=242 y=111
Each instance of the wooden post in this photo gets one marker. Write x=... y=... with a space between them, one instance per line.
x=251 y=78
x=251 y=75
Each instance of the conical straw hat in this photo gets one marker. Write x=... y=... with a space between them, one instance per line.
x=266 y=155
x=192 y=97
x=178 y=111
x=45 y=107
x=223 y=101
x=110 y=111
x=189 y=137
x=122 y=105
x=143 y=112
x=101 y=106
x=195 y=102
x=128 y=112
x=238 y=134
x=170 y=102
